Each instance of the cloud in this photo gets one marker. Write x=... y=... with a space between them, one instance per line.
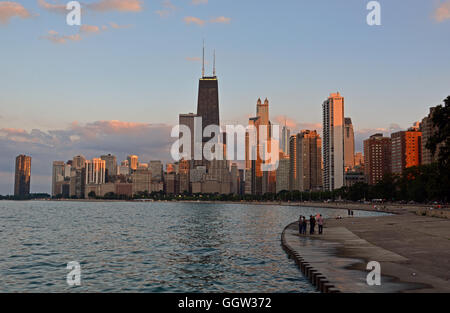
x=85 y=29
x=116 y=5
x=442 y=13
x=56 y=38
x=221 y=19
x=53 y=7
x=117 y=26
x=168 y=8
x=89 y=29
x=9 y=9
x=197 y=2
x=193 y=59
x=149 y=141
x=194 y=20
x=217 y=20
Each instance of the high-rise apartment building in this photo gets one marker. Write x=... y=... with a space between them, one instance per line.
x=22 y=176
x=78 y=177
x=142 y=181
x=306 y=161
x=333 y=142
x=377 y=158
x=406 y=149
x=156 y=167
x=293 y=174
x=95 y=171
x=111 y=166
x=188 y=120
x=133 y=162
x=58 y=176
x=284 y=143
x=260 y=183
x=428 y=129
x=349 y=145
x=282 y=180
x=78 y=162
x=234 y=174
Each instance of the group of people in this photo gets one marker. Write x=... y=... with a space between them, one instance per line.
x=313 y=220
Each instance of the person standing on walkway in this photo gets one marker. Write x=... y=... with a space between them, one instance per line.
x=320 y=223
x=312 y=224
x=304 y=225
x=300 y=224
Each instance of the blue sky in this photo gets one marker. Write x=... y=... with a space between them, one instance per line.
x=145 y=71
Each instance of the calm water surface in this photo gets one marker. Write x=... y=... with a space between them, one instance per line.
x=149 y=247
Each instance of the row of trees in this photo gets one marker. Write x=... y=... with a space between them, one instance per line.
x=32 y=196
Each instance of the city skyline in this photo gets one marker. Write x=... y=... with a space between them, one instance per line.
x=99 y=121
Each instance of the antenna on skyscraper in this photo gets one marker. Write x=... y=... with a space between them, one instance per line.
x=214 y=66
x=203 y=59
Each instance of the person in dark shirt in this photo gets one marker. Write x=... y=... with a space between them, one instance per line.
x=312 y=224
x=300 y=224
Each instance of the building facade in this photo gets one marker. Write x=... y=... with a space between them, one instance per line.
x=306 y=161
x=377 y=158
x=406 y=149
x=22 y=176
x=349 y=145
x=333 y=142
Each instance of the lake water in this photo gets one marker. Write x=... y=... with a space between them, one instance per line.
x=149 y=247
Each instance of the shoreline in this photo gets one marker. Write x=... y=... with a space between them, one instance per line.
x=337 y=260
x=391 y=208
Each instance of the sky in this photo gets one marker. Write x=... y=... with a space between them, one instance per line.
x=117 y=83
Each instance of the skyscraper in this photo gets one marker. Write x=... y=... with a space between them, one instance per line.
x=306 y=161
x=208 y=99
x=133 y=162
x=377 y=158
x=111 y=166
x=22 y=176
x=188 y=120
x=283 y=173
x=284 y=143
x=428 y=130
x=77 y=177
x=406 y=147
x=58 y=175
x=95 y=171
x=349 y=145
x=333 y=142
x=255 y=162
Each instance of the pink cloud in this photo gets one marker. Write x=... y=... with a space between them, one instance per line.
x=53 y=7
x=89 y=29
x=194 y=20
x=9 y=9
x=116 y=5
x=221 y=19
x=442 y=13
x=117 y=26
x=56 y=38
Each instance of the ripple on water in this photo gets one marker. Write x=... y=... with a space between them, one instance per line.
x=149 y=247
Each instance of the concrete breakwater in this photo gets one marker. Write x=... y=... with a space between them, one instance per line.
x=336 y=261
x=317 y=279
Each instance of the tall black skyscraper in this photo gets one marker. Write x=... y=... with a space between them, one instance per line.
x=208 y=98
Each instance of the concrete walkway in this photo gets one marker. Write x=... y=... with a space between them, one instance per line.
x=414 y=253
